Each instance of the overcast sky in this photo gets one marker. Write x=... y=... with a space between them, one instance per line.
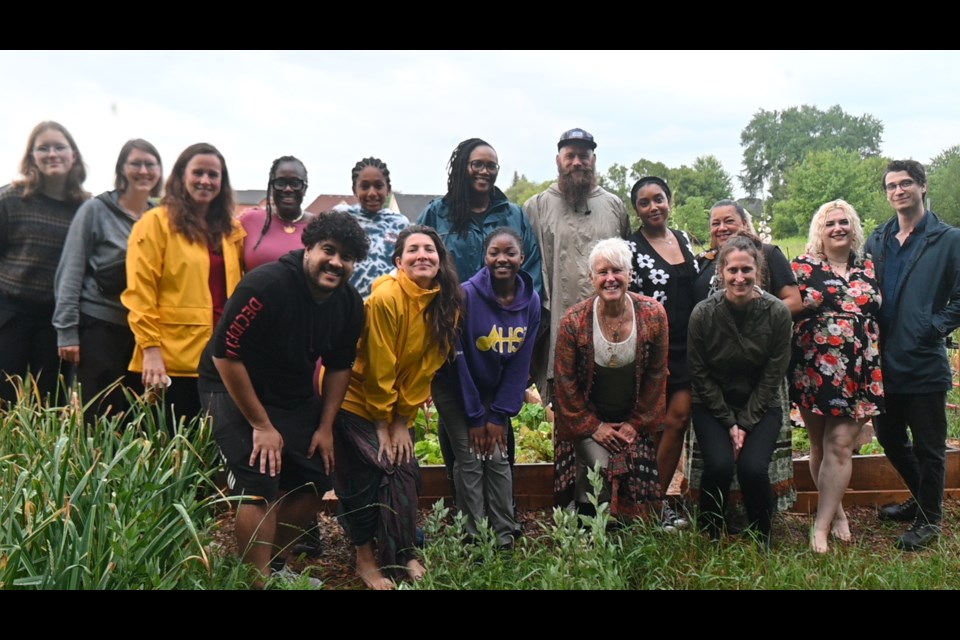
x=411 y=108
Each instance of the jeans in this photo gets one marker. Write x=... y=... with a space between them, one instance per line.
x=922 y=463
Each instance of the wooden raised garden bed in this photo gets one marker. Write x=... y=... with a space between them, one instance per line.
x=874 y=481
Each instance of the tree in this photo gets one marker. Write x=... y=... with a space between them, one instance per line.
x=830 y=175
x=943 y=185
x=706 y=179
x=521 y=189
x=774 y=141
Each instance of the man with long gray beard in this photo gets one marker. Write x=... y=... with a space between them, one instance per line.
x=568 y=219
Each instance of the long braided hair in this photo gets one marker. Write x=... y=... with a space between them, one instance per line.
x=376 y=163
x=444 y=311
x=273 y=175
x=458 y=185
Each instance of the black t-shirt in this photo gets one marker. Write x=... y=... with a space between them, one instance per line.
x=777 y=271
x=273 y=325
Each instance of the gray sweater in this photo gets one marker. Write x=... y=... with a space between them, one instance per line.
x=97 y=238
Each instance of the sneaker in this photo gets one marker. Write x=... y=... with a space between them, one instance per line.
x=288 y=575
x=919 y=536
x=309 y=545
x=671 y=521
x=903 y=512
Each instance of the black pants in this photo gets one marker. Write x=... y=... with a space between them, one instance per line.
x=922 y=463
x=751 y=468
x=28 y=343
x=105 y=351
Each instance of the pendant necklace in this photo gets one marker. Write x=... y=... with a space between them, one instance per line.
x=290 y=226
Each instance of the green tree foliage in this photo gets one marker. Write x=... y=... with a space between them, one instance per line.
x=943 y=185
x=521 y=189
x=825 y=176
x=774 y=141
x=706 y=180
x=694 y=188
x=693 y=216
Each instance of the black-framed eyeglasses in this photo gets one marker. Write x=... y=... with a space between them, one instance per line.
x=903 y=184
x=294 y=183
x=478 y=165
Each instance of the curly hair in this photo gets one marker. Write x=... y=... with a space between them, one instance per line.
x=32 y=180
x=819 y=221
x=376 y=163
x=444 y=311
x=183 y=211
x=458 y=185
x=273 y=174
x=339 y=226
x=120 y=180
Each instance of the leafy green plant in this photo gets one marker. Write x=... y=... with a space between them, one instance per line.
x=120 y=504
x=533 y=435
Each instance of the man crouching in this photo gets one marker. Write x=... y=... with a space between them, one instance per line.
x=256 y=382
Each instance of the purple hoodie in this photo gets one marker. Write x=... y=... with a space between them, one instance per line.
x=495 y=349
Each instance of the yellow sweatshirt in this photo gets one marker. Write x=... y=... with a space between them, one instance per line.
x=397 y=355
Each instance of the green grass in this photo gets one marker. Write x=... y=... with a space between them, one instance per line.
x=107 y=506
x=564 y=556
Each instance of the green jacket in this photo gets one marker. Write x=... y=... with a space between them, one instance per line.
x=736 y=374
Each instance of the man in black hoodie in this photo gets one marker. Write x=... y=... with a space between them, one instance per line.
x=256 y=382
x=917 y=258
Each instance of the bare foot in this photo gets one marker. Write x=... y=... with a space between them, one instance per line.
x=369 y=570
x=841 y=527
x=415 y=570
x=818 y=541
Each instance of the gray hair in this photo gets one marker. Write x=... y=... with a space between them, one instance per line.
x=616 y=251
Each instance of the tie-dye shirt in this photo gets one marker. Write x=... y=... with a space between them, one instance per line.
x=382 y=228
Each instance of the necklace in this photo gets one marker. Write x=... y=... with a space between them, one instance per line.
x=668 y=238
x=615 y=331
x=290 y=226
x=838 y=266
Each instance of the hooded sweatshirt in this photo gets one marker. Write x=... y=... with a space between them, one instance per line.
x=495 y=348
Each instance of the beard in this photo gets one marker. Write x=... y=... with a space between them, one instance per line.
x=577 y=185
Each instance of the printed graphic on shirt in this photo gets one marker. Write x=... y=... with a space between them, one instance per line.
x=241 y=322
x=502 y=339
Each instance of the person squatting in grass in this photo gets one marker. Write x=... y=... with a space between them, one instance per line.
x=256 y=382
x=738 y=350
x=411 y=330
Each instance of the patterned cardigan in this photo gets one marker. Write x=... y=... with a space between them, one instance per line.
x=574 y=369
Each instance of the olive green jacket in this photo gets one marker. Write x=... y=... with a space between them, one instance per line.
x=736 y=374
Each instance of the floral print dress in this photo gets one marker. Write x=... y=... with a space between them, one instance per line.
x=835 y=369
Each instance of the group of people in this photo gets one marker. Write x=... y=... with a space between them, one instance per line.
x=312 y=340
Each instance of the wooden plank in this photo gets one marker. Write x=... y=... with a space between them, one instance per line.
x=807 y=500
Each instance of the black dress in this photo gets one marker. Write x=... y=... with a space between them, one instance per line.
x=672 y=286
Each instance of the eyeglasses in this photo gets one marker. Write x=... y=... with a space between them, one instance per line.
x=294 y=183
x=55 y=148
x=478 y=165
x=139 y=165
x=905 y=184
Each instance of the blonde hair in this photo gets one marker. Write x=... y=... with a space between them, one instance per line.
x=815 y=240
